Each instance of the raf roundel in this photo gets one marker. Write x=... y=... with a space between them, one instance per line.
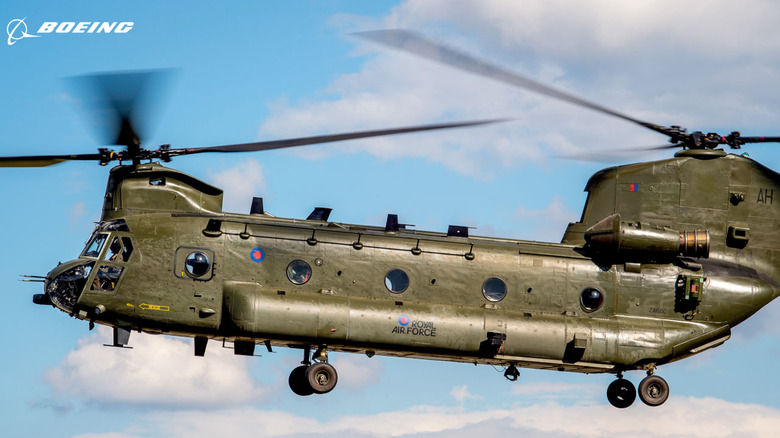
x=403 y=320
x=257 y=255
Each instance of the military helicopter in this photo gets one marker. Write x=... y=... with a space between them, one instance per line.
x=667 y=257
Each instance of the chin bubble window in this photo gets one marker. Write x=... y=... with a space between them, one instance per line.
x=494 y=289
x=591 y=299
x=396 y=281
x=298 y=272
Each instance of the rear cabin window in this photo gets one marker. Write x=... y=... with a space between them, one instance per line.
x=494 y=289
x=396 y=281
x=298 y=272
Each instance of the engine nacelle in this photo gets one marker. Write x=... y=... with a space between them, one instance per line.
x=636 y=241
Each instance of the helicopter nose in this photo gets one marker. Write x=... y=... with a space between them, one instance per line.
x=44 y=298
x=63 y=285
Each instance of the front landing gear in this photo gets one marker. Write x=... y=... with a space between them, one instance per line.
x=310 y=378
x=621 y=393
x=653 y=391
x=298 y=381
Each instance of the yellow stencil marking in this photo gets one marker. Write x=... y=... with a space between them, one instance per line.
x=145 y=306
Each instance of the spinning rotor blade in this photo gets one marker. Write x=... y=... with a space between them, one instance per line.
x=165 y=153
x=119 y=102
x=114 y=102
x=416 y=44
x=615 y=155
x=45 y=160
x=303 y=141
x=737 y=139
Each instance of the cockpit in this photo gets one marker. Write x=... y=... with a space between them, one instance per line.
x=99 y=268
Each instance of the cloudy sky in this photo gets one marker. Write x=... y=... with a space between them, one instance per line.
x=264 y=70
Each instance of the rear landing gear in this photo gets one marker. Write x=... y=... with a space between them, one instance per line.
x=310 y=378
x=322 y=377
x=653 y=391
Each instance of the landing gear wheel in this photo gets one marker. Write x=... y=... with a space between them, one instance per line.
x=299 y=383
x=322 y=377
x=653 y=390
x=621 y=393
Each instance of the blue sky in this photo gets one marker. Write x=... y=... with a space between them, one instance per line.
x=245 y=71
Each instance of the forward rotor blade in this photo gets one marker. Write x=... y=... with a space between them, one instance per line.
x=120 y=103
x=413 y=43
x=303 y=141
x=46 y=160
x=165 y=153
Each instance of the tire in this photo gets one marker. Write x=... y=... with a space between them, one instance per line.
x=322 y=377
x=298 y=381
x=653 y=390
x=621 y=393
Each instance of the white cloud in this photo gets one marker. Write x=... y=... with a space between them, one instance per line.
x=613 y=26
x=763 y=323
x=548 y=223
x=77 y=212
x=461 y=394
x=240 y=184
x=558 y=391
x=679 y=417
x=357 y=372
x=158 y=371
x=107 y=435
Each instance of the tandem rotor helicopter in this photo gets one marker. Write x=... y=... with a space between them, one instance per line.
x=667 y=257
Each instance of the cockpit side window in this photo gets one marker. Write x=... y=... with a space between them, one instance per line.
x=106 y=278
x=127 y=248
x=114 y=250
x=119 y=250
x=95 y=246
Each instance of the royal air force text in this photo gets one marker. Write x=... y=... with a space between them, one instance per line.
x=416 y=328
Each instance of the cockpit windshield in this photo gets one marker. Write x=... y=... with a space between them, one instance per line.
x=95 y=245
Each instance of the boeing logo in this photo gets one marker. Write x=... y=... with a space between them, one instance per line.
x=17 y=29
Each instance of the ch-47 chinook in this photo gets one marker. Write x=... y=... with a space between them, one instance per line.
x=667 y=257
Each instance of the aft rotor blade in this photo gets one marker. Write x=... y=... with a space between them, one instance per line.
x=46 y=160
x=303 y=141
x=615 y=155
x=413 y=43
x=759 y=140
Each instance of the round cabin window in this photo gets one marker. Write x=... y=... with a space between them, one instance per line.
x=591 y=299
x=197 y=264
x=298 y=272
x=396 y=281
x=494 y=289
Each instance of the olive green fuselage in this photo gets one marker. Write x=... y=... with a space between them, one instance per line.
x=653 y=305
